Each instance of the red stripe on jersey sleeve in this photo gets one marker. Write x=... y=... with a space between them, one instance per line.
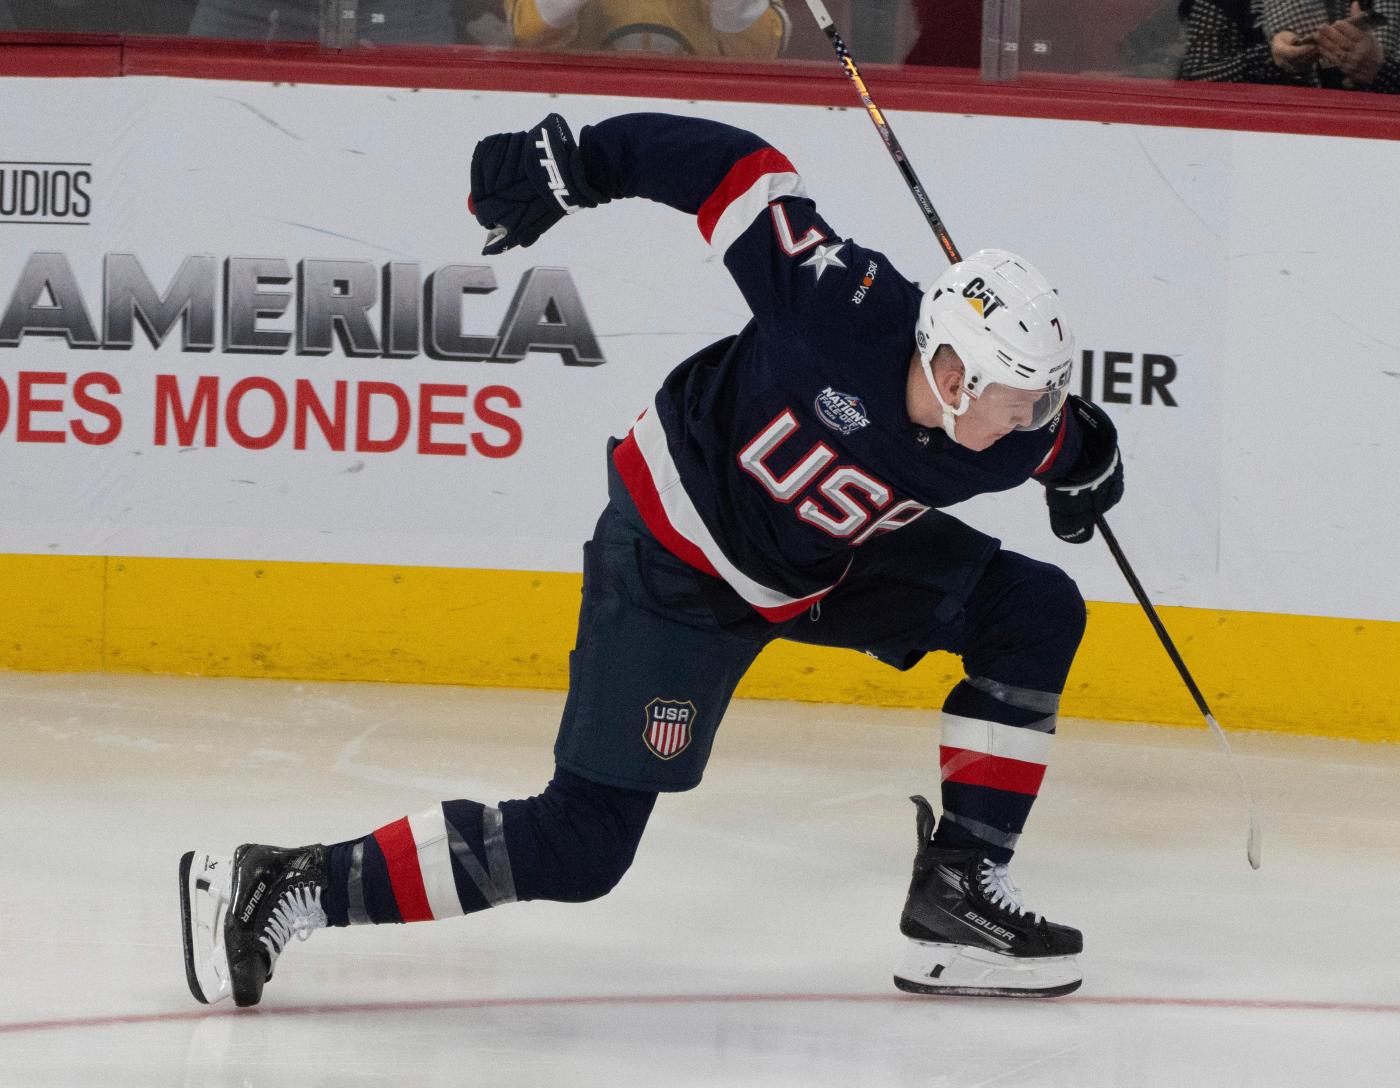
x=401 y=858
x=1055 y=449
x=737 y=182
x=995 y=772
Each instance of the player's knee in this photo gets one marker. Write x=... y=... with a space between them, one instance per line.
x=600 y=871
x=577 y=839
x=1042 y=603
x=1033 y=629
x=1063 y=607
x=594 y=852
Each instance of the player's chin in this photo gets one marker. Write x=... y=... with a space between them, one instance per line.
x=979 y=442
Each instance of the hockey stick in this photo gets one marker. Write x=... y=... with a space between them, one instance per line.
x=848 y=65
x=1253 y=844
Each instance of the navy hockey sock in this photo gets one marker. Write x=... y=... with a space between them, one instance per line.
x=1027 y=620
x=571 y=843
x=994 y=750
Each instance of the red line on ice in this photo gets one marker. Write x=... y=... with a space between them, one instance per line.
x=1227 y=1003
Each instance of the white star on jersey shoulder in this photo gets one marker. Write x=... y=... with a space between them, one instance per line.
x=824 y=258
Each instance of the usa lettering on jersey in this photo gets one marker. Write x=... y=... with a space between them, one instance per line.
x=853 y=505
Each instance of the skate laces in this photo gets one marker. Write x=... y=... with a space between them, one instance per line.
x=998 y=887
x=298 y=911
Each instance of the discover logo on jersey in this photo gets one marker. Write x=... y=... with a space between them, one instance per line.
x=866 y=283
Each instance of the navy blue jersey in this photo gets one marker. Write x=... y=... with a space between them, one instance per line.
x=768 y=456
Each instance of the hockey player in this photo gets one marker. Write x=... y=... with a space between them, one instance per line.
x=785 y=482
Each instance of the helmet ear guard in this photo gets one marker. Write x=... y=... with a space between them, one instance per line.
x=950 y=412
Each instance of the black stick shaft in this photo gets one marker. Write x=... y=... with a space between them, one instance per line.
x=1141 y=594
x=882 y=126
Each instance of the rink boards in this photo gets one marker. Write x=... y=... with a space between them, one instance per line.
x=265 y=410
x=1312 y=675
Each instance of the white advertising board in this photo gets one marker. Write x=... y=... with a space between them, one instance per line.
x=337 y=375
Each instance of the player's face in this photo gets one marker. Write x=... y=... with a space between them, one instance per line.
x=994 y=414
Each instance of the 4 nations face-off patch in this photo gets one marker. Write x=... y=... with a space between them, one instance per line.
x=669 y=727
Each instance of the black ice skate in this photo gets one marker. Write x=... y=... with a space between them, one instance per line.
x=968 y=933
x=238 y=915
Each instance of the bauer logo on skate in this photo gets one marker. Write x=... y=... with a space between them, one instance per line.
x=669 y=724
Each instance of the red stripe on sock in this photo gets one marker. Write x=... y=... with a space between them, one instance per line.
x=995 y=772
x=401 y=858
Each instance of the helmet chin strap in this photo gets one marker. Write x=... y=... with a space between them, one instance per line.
x=950 y=414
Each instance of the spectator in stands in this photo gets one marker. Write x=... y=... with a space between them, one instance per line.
x=381 y=22
x=751 y=29
x=1345 y=51
x=1225 y=43
x=1314 y=43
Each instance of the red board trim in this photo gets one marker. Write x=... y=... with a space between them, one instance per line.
x=937 y=90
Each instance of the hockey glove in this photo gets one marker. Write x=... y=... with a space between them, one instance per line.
x=525 y=182
x=1095 y=483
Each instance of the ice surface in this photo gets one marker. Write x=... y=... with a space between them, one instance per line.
x=752 y=942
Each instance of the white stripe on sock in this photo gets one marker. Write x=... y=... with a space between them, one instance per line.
x=995 y=739
x=435 y=862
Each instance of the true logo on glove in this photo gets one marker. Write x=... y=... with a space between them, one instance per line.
x=556 y=179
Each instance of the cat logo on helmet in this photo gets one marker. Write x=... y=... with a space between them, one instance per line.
x=981 y=297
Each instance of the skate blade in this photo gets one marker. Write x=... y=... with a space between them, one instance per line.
x=961 y=971
x=205 y=881
x=934 y=990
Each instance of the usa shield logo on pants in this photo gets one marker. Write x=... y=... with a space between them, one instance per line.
x=668 y=730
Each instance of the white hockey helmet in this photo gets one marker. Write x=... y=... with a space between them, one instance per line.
x=1005 y=322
